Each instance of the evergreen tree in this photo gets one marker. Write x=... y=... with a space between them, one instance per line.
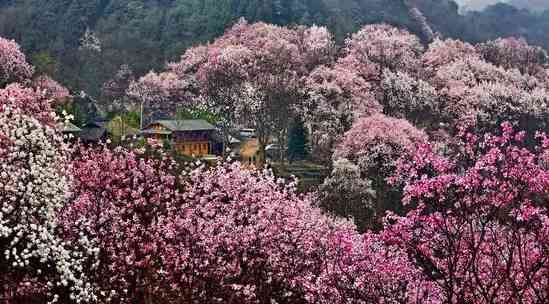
x=298 y=147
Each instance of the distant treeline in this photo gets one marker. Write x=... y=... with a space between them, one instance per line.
x=147 y=33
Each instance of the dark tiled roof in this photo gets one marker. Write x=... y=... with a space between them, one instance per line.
x=69 y=127
x=185 y=125
x=93 y=134
x=95 y=124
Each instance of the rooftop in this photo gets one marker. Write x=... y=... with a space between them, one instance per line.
x=183 y=125
x=69 y=127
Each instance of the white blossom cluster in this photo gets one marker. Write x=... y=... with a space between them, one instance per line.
x=32 y=191
x=90 y=42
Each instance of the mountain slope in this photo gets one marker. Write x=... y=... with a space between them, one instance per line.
x=147 y=33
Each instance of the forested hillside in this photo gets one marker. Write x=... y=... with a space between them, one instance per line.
x=146 y=34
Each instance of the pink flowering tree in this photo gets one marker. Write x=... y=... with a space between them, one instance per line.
x=35 y=262
x=117 y=198
x=220 y=234
x=378 y=47
x=244 y=237
x=443 y=52
x=318 y=46
x=367 y=268
x=34 y=103
x=515 y=53
x=337 y=96
x=374 y=144
x=51 y=89
x=473 y=88
x=404 y=96
x=479 y=222
x=13 y=63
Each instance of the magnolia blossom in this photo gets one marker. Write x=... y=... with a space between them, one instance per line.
x=374 y=144
x=514 y=53
x=32 y=102
x=51 y=89
x=378 y=139
x=408 y=97
x=271 y=60
x=337 y=97
x=479 y=222
x=32 y=192
x=116 y=200
x=160 y=93
x=13 y=63
x=443 y=52
x=319 y=45
x=385 y=46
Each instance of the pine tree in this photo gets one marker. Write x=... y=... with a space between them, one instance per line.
x=298 y=147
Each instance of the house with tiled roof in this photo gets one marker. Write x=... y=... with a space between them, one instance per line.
x=94 y=131
x=191 y=137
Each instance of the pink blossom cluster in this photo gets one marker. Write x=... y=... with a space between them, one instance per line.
x=13 y=63
x=479 y=223
x=51 y=89
x=223 y=234
x=386 y=47
x=379 y=138
x=31 y=102
x=337 y=97
x=515 y=53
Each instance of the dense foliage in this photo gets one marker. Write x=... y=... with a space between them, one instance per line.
x=146 y=34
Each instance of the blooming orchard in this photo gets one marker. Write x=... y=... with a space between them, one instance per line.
x=449 y=196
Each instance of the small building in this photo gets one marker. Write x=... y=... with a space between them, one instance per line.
x=94 y=132
x=250 y=154
x=70 y=129
x=189 y=137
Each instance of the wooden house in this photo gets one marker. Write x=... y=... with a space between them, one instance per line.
x=189 y=137
x=94 y=132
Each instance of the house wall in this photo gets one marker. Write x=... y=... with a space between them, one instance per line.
x=193 y=148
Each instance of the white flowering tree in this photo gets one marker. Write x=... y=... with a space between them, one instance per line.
x=35 y=262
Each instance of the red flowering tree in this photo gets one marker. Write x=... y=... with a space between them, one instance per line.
x=479 y=226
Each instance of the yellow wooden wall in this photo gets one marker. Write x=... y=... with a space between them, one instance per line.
x=199 y=148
